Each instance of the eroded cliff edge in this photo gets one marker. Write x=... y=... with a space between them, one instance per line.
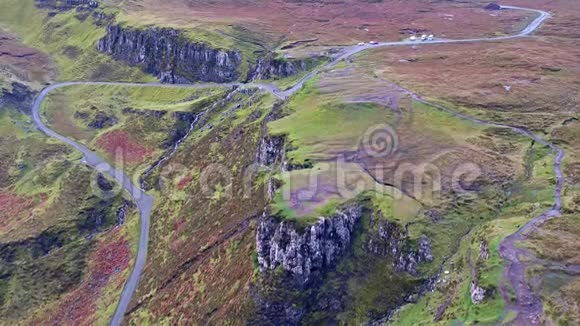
x=270 y=67
x=171 y=57
x=354 y=260
x=306 y=252
x=322 y=272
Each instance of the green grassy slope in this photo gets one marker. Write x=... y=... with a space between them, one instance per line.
x=70 y=42
x=54 y=218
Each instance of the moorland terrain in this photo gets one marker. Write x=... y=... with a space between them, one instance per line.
x=391 y=185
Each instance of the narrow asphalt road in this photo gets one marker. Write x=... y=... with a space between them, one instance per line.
x=145 y=202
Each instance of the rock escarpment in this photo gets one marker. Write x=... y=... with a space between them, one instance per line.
x=293 y=262
x=306 y=273
x=269 y=67
x=98 y=120
x=270 y=150
x=392 y=240
x=169 y=55
x=477 y=292
x=307 y=252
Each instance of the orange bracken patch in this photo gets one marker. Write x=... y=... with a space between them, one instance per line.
x=121 y=146
x=11 y=206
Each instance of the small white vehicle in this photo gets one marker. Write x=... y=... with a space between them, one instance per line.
x=373 y=42
x=413 y=38
x=423 y=37
x=361 y=43
x=430 y=37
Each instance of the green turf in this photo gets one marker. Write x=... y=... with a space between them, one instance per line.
x=44 y=247
x=154 y=114
x=63 y=35
x=315 y=126
x=522 y=205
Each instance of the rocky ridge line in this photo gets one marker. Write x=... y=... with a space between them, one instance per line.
x=169 y=55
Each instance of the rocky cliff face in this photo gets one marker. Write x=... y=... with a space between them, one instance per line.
x=294 y=261
x=18 y=96
x=270 y=150
x=478 y=293
x=168 y=55
x=271 y=68
x=392 y=240
x=306 y=252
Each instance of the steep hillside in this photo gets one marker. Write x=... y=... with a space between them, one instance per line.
x=409 y=184
x=60 y=222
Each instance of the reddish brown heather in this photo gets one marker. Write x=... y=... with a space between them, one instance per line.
x=12 y=207
x=108 y=260
x=120 y=145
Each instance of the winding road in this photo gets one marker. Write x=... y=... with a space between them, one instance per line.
x=528 y=306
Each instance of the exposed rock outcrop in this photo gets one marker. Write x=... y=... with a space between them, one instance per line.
x=270 y=150
x=305 y=252
x=184 y=124
x=18 y=96
x=102 y=120
x=103 y=183
x=273 y=68
x=434 y=215
x=102 y=19
x=293 y=262
x=483 y=250
x=169 y=55
x=441 y=310
x=269 y=67
x=492 y=6
x=477 y=293
x=122 y=211
x=393 y=240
